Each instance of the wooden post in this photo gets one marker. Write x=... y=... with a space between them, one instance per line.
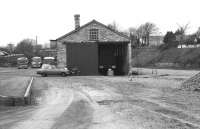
x=129 y=56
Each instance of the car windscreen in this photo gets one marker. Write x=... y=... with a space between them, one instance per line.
x=36 y=59
x=48 y=61
x=22 y=61
x=46 y=66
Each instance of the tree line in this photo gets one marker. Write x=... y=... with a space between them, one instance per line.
x=179 y=37
x=28 y=47
x=140 y=36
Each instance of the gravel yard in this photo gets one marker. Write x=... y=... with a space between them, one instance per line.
x=101 y=102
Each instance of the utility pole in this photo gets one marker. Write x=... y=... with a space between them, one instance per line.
x=36 y=40
x=35 y=45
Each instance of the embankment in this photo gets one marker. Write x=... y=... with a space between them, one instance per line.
x=169 y=58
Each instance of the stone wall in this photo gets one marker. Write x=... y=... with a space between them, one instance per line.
x=61 y=55
x=105 y=34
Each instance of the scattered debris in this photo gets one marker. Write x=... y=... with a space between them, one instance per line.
x=192 y=84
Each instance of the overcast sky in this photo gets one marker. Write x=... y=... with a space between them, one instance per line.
x=49 y=19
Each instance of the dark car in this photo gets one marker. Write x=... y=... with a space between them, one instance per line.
x=52 y=70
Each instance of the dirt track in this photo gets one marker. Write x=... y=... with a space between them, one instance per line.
x=106 y=103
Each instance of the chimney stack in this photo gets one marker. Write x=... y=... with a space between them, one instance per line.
x=77 y=21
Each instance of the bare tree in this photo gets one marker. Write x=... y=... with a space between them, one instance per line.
x=132 y=33
x=182 y=29
x=141 y=35
x=149 y=28
x=198 y=33
x=25 y=47
x=181 y=33
x=144 y=31
x=113 y=26
x=11 y=47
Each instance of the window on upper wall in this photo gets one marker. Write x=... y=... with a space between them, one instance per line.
x=93 y=34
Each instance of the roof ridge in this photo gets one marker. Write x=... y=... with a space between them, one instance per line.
x=75 y=30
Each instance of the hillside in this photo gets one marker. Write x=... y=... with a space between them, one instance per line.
x=173 y=57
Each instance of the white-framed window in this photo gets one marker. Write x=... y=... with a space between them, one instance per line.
x=93 y=34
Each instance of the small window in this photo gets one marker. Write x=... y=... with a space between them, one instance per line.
x=93 y=34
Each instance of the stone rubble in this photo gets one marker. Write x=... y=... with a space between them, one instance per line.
x=192 y=84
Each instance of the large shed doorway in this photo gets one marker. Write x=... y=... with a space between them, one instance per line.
x=114 y=56
x=84 y=56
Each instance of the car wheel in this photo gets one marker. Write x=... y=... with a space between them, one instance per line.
x=63 y=74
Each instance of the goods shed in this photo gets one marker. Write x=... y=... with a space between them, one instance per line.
x=94 y=48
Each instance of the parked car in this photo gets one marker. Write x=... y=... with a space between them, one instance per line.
x=22 y=63
x=48 y=69
x=36 y=62
x=49 y=60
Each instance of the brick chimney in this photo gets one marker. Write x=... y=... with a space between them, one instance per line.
x=77 y=21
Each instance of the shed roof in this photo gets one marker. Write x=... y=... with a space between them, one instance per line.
x=87 y=24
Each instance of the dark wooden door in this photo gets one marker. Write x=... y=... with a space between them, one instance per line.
x=84 y=56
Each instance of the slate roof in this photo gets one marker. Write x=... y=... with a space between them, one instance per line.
x=87 y=24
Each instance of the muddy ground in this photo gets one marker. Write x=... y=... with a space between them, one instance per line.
x=101 y=102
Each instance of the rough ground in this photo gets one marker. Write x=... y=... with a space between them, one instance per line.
x=192 y=84
x=13 y=86
x=100 y=102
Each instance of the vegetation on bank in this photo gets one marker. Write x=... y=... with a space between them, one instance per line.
x=171 y=54
x=172 y=57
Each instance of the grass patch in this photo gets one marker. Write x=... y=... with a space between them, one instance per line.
x=14 y=86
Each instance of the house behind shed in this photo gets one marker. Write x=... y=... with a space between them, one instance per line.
x=94 y=48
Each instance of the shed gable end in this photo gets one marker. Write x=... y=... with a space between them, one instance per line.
x=103 y=34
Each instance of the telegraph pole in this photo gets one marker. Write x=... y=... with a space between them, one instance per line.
x=36 y=40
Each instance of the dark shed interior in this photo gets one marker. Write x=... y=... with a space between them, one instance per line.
x=113 y=56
